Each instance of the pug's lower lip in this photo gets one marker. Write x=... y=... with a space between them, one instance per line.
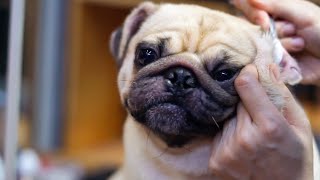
x=166 y=118
x=160 y=104
x=169 y=109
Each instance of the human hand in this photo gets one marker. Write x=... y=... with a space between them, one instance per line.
x=262 y=143
x=298 y=27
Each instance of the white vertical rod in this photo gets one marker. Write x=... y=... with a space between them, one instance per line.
x=13 y=86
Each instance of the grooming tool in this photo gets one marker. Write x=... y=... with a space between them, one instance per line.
x=278 y=49
x=289 y=68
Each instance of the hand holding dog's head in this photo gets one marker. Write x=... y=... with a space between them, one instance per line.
x=178 y=64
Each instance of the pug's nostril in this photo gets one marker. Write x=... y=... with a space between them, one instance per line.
x=179 y=79
x=171 y=76
x=190 y=82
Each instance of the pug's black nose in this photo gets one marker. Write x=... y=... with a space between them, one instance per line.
x=179 y=79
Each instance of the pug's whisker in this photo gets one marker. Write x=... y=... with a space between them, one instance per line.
x=148 y=136
x=187 y=149
x=215 y=122
x=126 y=80
x=162 y=153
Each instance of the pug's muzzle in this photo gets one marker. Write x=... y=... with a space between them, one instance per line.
x=180 y=99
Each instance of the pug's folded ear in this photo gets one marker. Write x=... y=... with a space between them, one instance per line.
x=289 y=70
x=121 y=37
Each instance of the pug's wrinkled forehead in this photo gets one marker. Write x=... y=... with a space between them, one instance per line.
x=201 y=31
x=205 y=34
x=208 y=35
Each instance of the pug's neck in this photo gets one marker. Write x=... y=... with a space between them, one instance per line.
x=147 y=157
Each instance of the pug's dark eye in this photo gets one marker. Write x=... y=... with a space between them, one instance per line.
x=223 y=75
x=147 y=56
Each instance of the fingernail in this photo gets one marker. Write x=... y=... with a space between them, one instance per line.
x=275 y=72
x=265 y=25
x=297 y=42
x=260 y=20
x=288 y=29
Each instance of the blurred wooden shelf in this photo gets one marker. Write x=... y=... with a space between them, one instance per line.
x=131 y=3
x=313 y=112
x=101 y=157
x=94 y=113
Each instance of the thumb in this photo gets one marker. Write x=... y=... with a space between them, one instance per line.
x=256 y=16
x=292 y=111
x=291 y=10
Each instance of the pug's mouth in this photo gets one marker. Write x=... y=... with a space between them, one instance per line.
x=175 y=125
x=176 y=119
x=172 y=119
x=180 y=102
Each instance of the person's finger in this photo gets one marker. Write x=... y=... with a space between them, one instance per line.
x=243 y=5
x=244 y=132
x=255 y=15
x=225 y=161
x=221 y=162
x=243 y=118
x=262 y=18
x=287 y=9
x=254 y=97
x=293 y=44
x=292 y=111
x=229 y=129
x=285 y=29
x=309 y=68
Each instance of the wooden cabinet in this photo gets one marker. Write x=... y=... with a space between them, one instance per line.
x=94 y=112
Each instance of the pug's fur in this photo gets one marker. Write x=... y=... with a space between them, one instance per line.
x=168 y=132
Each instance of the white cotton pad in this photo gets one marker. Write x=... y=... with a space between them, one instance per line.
x=289 y=69
x=278 y=51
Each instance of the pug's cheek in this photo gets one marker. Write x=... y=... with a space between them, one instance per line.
x=166 y=118
x=146 y=92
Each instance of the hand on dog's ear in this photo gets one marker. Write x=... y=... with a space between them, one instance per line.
x=121 y=37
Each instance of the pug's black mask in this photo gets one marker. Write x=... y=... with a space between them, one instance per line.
x=179 y=100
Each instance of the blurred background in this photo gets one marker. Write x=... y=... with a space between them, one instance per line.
x=71 y=117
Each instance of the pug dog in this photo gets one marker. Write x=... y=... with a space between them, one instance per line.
x=177 y=66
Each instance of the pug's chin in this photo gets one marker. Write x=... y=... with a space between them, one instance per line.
x=166 y=118
x=171 y=123
x=168 y=121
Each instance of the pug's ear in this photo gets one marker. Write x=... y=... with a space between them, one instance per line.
x=290 y=71
x=121 y=37
x=114 y=43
